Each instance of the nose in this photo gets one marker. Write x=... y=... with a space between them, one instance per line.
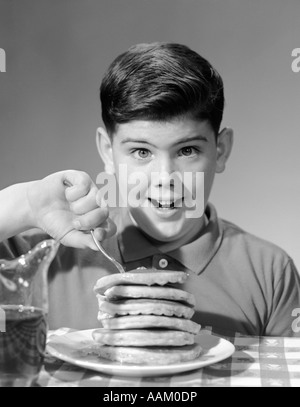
x=163 y=169
x=165 y=164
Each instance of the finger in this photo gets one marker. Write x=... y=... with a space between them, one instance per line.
x=80 y=185
x=85 y=204
x=100 y=234
x=107 y=230
x=110 y=227
x=100 y=199
x=91 y=220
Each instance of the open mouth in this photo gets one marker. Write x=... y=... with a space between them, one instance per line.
x=172 y=204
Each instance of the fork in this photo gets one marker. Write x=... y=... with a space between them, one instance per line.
x=102 y=250
x=98 y=244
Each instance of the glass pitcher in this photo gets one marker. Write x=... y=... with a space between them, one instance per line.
x=23 y=312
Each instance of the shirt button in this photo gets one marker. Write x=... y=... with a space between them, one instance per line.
x=163 y=263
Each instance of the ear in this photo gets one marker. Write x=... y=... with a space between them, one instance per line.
x=224 y=147
x=104 y=146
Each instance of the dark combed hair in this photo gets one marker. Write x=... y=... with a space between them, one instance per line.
x=161 y=81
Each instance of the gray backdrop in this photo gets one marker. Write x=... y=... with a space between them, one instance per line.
x=58 y=50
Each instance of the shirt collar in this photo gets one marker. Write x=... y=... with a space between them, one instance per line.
x=195 y=256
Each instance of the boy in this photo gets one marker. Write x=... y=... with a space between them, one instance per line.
x=162 y=106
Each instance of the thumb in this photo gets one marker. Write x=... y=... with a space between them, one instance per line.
x=79 y=240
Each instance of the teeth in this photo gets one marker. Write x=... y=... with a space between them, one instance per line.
x=163 y=204
x=168 y=205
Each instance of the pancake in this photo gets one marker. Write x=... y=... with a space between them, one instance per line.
x=142 y=337
x=135 y=291
x=146 y=277
x=151 y=321
x=143 y=306
x=149 y=356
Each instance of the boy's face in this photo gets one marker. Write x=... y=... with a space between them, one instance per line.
x=181 y=146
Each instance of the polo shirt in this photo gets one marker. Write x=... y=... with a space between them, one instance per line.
x=241 y=283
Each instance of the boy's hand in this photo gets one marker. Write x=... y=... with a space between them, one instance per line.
x=64 y=206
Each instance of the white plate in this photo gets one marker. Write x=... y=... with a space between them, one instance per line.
x=73 y=348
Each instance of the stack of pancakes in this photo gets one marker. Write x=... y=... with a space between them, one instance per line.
x=145 y=319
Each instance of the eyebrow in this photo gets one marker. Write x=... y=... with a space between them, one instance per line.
x=186 y=140
x=193 y=138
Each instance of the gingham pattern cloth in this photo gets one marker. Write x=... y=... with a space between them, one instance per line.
x=257 y=362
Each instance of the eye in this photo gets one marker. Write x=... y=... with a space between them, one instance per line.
x=188 y=151
x=141 y=153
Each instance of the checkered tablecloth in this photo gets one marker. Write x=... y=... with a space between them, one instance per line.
x=257 y=361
